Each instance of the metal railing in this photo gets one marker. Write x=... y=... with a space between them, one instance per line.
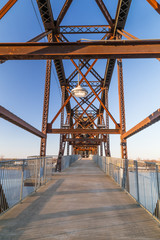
x=20 y=178
x=68 y=160
x=140 y=178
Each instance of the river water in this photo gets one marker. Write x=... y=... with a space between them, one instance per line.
x=11 y=184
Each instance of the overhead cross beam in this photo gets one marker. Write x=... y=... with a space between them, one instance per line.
x=113 y=49
x=84 y=29
x=83 y=131
x=84 y=139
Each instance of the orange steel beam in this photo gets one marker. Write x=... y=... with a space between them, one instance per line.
x=129 y=36
x=151 y=119
x=86 y=108
x=63 y=11
x=155 y=5
x=81 y=131
x=96 y=117
x=10 y=117
x=88 y=61
x=126 y=34
x=67 y=100
x=78 y=50
x=105 y=12
x=117 y=125
x=89 y=69
x=7 y=7
x=40 y=36
x=91 y=66
x=65 y=103
x=82 y=109
x=84 y=149
x=84 y=139
x=78 y=123
x=84 y=145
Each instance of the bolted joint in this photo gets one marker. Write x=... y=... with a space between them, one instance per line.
x=123 y=144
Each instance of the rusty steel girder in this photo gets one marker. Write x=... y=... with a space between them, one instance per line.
x=7 y=7
x=46 y=103
x=119 y=23
x=155 y=5
x=10 y=117
x=81 y=131
x=121 y=108
x=105 y=12
x=151 y=119
x=94 y=50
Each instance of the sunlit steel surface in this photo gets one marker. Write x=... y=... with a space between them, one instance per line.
x=83 y=118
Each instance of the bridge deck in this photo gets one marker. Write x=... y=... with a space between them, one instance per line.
x=80 y=203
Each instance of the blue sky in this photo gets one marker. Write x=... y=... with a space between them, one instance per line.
x=22 y=82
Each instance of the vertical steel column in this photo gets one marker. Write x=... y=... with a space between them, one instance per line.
x=68 y=120
x=121 y=108
x=100 y=136
x=107 y=143
x=58 y=166
x=62 y=118
x=72 y=150
x=46 y=103
x=68 y=147
x=101 y=150
x=101 y=147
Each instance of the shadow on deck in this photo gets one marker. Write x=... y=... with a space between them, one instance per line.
x=79 y=203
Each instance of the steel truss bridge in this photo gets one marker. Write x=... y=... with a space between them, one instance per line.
x=86 y=129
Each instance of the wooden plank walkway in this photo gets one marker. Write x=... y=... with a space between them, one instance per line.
x=80 y=203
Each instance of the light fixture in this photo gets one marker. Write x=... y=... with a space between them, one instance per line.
x=79 y=91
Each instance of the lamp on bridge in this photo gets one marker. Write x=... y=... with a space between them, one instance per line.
x=79 y=91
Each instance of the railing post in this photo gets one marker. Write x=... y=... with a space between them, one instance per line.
x=108 y=169
x=45 y=170
x=125 y=183
x=158 y=201
x=22 y=177
x=157 y=181
x=36 y=174
x=39 y=174
x=137 y=182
